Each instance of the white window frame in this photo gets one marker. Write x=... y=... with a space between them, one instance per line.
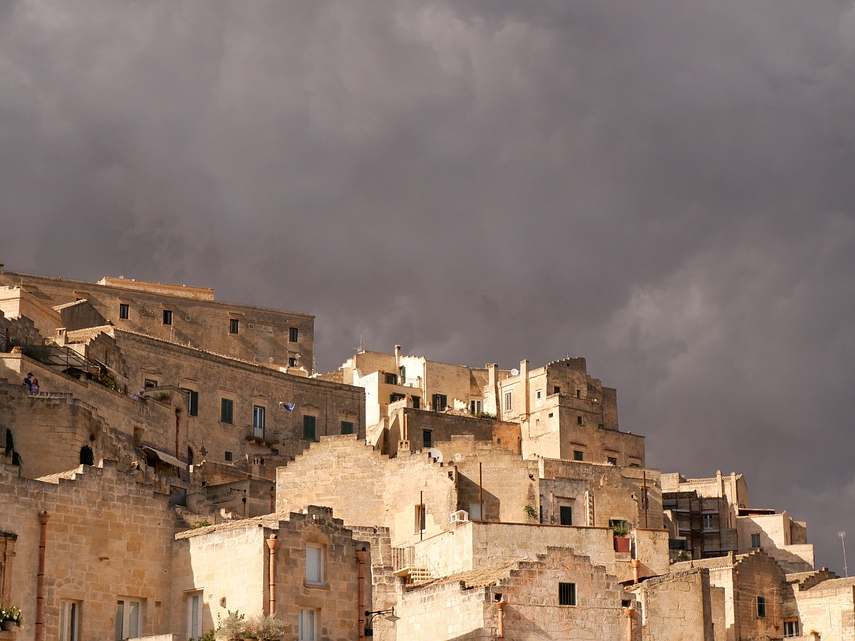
x=69 y=625
x=194 y=619
x=126 y=631
x=708 y=521
x=319 y=549
x=509 y=401
x=795 y=632
x=258 y=426
x=307 y=627
x=475 y=406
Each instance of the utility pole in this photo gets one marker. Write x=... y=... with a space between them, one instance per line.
x=842 y=535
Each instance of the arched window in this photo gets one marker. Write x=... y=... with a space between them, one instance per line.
x=87 y=457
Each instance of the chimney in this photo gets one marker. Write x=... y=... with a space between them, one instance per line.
x=397 y=356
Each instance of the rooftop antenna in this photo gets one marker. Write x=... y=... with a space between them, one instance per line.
x=842 y=535
x=361 y=347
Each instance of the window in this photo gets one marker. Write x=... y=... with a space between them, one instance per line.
x=427 y=439
x=419 y=524
x=755 y=541
x=167 y=317
x=761 y=607
x=509 y=398
x=307 y=625
x=194 y=615
x=234 y=325
x=309 y=428
x=417 y=402
x=612 y=460
x=556 y=389
x=440 y=402
x=538 y=394
x=394 y=398
x=292 y=361
x=124 y=311
x=69 y=621
x=149 y=383
x=578 y=393
x=128 y=620
x=475 y=407
x=391 y=379
x=580 y=420
x=191 y=396
x=709 y=521
x=227 y=410
x=791 y=628
x=258 y=417
x=314 y=564
x=293 y=334
x=566 y=594
x=227 y=456
x=578 y=455
x=347 y=427
x=565 y=513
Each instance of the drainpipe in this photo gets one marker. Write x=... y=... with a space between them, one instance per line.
x=40 y=578
x=500 y=623
x=272 y=543
x=361 y=601
x=629 y=613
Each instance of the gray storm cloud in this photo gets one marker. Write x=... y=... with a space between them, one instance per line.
x=664 y=186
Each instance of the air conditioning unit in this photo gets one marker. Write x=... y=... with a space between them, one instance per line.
x=460 y=516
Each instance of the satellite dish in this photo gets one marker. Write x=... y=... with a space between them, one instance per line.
x=515 y=372
x=435 y=454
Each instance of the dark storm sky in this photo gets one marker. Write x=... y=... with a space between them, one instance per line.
x=664 y=186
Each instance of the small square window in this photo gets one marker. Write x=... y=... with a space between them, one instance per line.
x=234 y=325
x=347 y=427
x=150 y=383
x=556 y=390
x=167 y=317
x=791 y=628
x=612 y=460
x=124 y=311
x=578 y=455
x=227 y=456
x=292 y=361
x=427 y=439
x=417 y=402
x=227 y=408
x=391 y=379
x=565 y=515
x=440 y=402
x=293 y=334
x=566 y=594
x=761 y=607
x=539 y=394
x=755 y=541
x=394 y=398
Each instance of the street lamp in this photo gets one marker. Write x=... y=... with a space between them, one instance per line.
x=389 y=615
x=842 y=535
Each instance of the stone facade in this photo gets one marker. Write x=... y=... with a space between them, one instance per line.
x=195 y=318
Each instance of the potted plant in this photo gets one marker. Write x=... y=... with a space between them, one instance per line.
x=10 y=617
x=620 y=532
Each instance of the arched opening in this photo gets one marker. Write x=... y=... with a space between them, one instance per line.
x=87 y=456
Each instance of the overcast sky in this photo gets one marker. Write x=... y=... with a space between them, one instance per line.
x=664 y=186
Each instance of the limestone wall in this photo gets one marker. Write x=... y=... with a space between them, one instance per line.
x=828 y=609
x=677 y=607
x=365 y=487
x=263 y=334
x=107 y=537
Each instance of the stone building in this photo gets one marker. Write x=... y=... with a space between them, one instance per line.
x=710 y=517
x=177 y=313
